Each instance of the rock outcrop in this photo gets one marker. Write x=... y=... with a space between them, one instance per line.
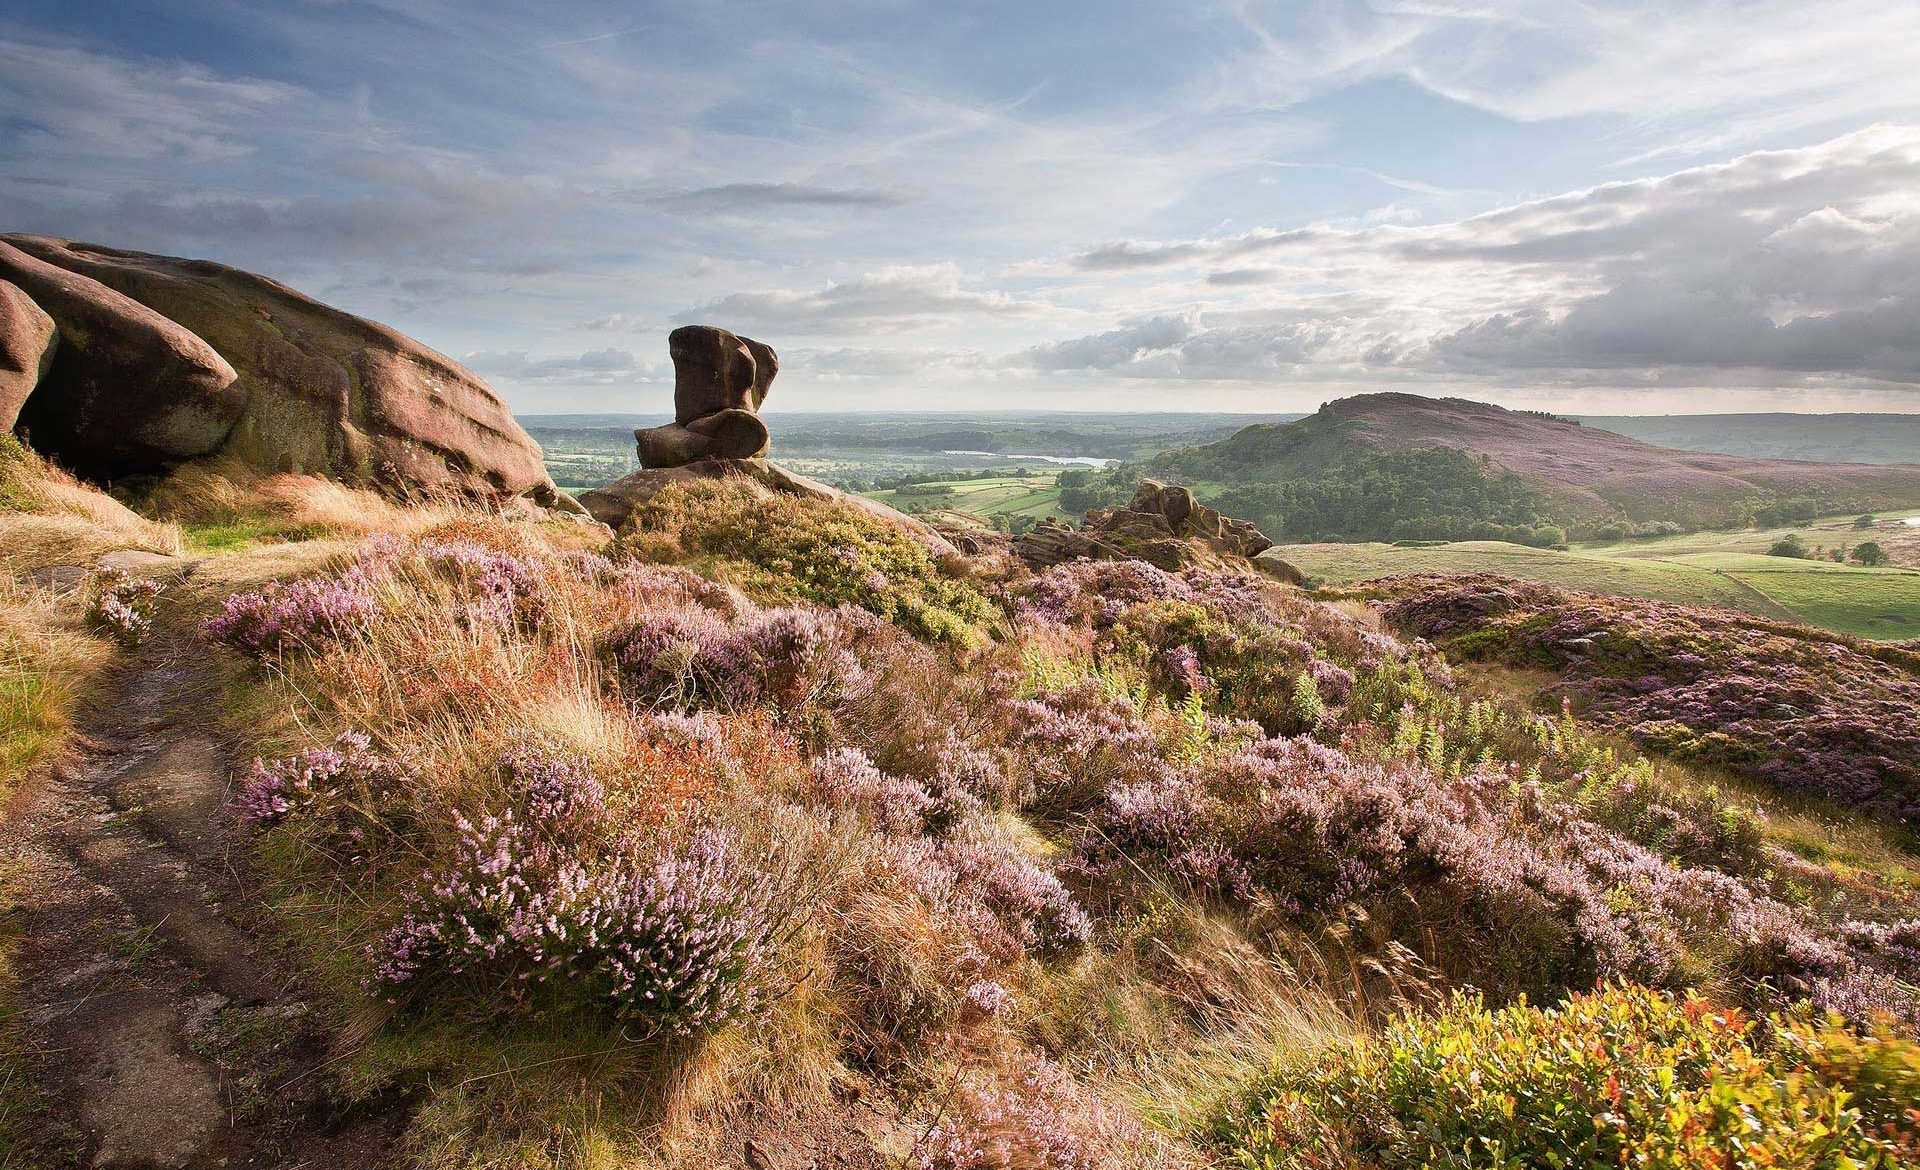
x=719 y=381
x=1163 y=525
x=128 y=389
x=27 y=342
x=310 y=388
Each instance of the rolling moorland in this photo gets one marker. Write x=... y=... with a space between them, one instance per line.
x=762 y=834
x=371 y=803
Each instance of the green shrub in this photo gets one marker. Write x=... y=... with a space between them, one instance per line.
x=1624 y=1076
x=1789 y=545
x=794 y=548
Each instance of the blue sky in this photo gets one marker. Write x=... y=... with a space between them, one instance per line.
x=1616 y=207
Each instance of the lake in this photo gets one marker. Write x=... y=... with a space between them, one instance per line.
x=1070 y=460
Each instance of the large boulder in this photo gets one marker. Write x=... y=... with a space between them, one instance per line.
x=27 y=342
x=715 y=370
x=317 y=391
x=129 y=390
x=719 y=381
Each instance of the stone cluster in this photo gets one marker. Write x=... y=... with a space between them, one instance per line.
x=1163 y=525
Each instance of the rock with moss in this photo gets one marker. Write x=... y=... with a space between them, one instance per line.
x=1164 y=525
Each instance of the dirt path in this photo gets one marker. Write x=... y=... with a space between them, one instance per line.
x=169 y=1039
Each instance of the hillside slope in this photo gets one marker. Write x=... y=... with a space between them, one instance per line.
x=765 y=834
x=1584 y=477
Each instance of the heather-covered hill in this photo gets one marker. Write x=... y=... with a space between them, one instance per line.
x=764 y=833
x=1578 y=477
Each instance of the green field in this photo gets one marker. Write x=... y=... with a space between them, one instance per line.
x=1035 y=495
x=1728 y=569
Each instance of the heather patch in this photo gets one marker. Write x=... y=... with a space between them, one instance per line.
x=1035 y=1116
x=1810 y=712
x=296 y=615
x=785 y=657
x=677 y=935
x=346 y=785
x=122 y=609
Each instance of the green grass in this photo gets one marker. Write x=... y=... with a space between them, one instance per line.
x=1346 y=564
x=1827 y=531
x=245 y=533
x=1726 y=569
x=1012 y=495
x=1873 y=603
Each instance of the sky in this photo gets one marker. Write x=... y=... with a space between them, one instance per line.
x=1619 y=207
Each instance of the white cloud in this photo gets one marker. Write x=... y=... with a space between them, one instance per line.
x=1782 y=263
x=609 y=366
x=894 y=299
x=75 y=102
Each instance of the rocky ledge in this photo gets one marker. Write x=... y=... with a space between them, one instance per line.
x=1163 y=525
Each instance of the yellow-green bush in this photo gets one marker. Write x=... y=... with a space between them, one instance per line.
x=794 y=548
x=1624 y=1076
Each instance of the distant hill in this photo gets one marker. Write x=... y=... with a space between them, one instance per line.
x=1831 y=438
x=1396 y=466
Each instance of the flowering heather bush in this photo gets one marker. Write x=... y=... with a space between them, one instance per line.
x=345 y=779
x=553 y=788
x=784 y=657
x=845 y=779
x=1532 y=895
x=679 y=938
x=828 y=552
x=985 y=881
x=1079 y=741
x=1620 y=1077
x=1809 y=711
x=1034 y=1118
x=305 y=614
x=123 y=610
x=501 y=588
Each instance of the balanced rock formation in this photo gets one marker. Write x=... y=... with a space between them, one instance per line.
x=719 y=381
x=141 y=380
x=1163 y=525
x=27 y=341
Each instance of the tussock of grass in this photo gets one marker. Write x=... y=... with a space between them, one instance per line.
x=224 y=506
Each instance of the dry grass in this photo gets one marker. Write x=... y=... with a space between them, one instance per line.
x=224 y=505
x=47 y=517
